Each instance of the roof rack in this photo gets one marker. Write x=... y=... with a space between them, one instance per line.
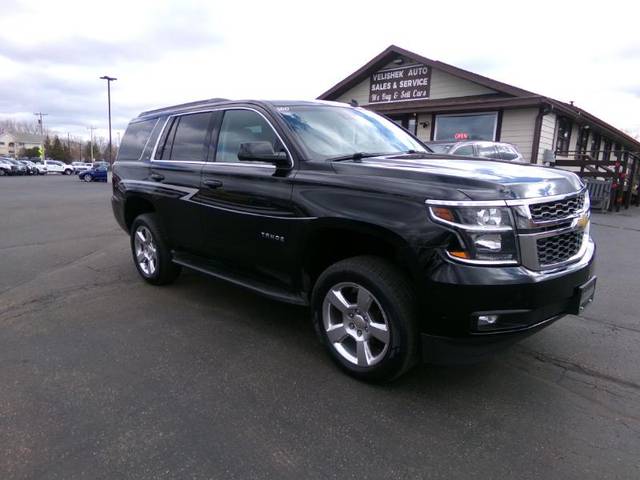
x=183 y=105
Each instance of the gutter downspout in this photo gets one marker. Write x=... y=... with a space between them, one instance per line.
x=537 y=131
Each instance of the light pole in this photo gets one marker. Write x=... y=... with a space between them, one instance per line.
x=91 y=141
x=109 y=80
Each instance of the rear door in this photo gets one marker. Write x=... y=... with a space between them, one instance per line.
x=249 y=215
x=176 y=168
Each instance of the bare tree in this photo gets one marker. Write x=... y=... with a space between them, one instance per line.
x=20 y=126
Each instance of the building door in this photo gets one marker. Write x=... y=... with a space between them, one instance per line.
x=406 y=120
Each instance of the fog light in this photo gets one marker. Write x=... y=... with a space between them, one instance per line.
x=486 y=320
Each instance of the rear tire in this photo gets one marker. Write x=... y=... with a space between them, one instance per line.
x=364 y=313
x=151 y=254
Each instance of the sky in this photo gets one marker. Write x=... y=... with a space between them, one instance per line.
x=53 y=53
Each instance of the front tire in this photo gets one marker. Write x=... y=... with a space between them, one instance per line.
x=151 y=254
x=87 y=178
x=364 y=314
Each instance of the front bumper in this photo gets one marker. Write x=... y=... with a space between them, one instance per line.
x=524 y=301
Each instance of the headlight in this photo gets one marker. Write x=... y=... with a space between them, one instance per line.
x=484 y=232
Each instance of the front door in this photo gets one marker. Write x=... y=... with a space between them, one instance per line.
x=250 y=217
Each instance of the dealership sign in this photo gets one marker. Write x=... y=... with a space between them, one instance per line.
x=400 y=84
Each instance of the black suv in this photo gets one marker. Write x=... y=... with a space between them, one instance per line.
x=400 y=253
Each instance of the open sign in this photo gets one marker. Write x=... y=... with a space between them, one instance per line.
x=461 y=136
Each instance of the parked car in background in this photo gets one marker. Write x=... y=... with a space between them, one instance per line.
x=55 y=166
x=481 y=149
x=95 y=174
x=20 y=168
x=41 y=167
x=7 y=168
x=30 y=166
x=101 y=164
x=80 y=166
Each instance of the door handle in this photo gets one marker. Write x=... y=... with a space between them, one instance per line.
x=212 y=183
x=156 y=177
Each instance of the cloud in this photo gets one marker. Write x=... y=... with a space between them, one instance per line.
x=91 y=51
x=165 y=52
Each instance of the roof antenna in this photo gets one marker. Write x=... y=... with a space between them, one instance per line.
x=354 y=103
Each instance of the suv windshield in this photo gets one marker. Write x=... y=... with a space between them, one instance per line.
x=328 y=132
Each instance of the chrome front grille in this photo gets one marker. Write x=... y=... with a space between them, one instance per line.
x=552 y=232
x=557 y=210
x=558 y=248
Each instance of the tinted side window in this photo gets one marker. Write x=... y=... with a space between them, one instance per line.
x=134 y=140
x=465 y=150
x=243 y=126
x=186 y=137
x=506 y=152
x=487 y=151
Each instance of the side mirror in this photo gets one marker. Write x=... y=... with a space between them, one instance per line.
x=263 y=152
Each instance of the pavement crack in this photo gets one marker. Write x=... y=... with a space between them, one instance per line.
x=581 y=369
x=617 y=227
x=609 y=324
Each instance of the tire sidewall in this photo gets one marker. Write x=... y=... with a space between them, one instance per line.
x=165 y=271
x=394 y=359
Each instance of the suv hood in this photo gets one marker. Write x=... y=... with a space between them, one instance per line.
x=476 y=179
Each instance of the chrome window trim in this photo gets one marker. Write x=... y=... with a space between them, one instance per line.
x=220 y=109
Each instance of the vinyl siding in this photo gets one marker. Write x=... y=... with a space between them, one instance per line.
x=443 y=85
x=359 y=93
x=547 y=135
x=518 y=127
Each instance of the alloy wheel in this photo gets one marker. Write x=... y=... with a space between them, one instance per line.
x=146 y=251
x=355 y=324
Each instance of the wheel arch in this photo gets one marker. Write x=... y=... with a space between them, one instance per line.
x=134 y=206
x=332 y=240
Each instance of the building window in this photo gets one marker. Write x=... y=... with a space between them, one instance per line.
x=564 y=136
x=596 y=140
x=480 y=126
x=583 y=141
x=606 y=150
x=618 y=152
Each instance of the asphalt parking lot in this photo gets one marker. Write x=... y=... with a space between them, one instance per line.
x=103 y=376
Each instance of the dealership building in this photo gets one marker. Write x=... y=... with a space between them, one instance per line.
x=437 y=101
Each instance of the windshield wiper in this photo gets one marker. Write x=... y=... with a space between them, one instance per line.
x=354 y=156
